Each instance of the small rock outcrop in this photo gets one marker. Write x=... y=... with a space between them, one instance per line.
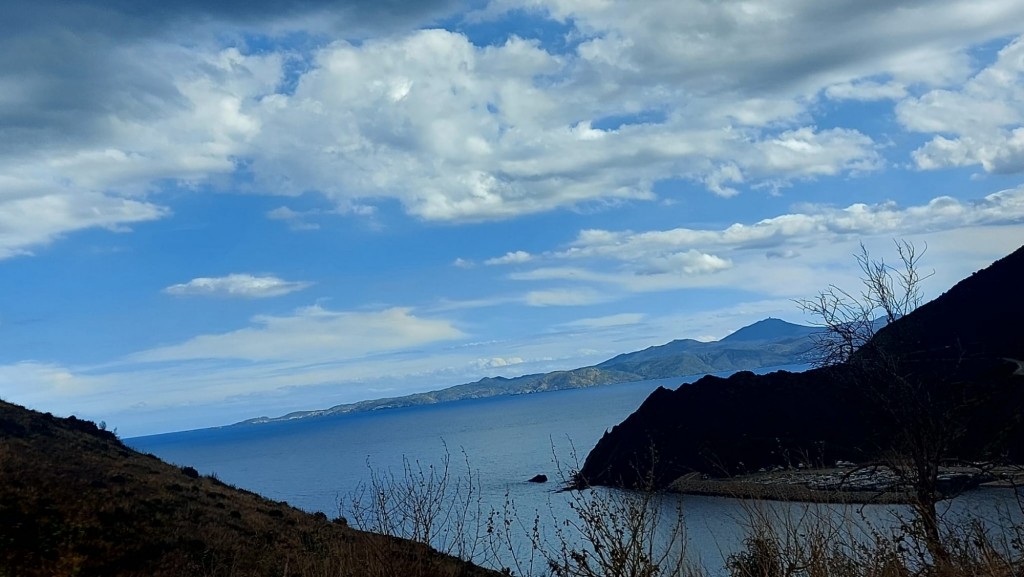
x=538 y=479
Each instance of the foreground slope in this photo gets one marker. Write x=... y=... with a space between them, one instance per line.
x=74 y=500
x=967 y=345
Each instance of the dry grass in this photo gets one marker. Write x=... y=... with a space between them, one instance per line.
x=75 y=501
x=830 y=541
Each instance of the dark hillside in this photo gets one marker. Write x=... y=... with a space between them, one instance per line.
x=74 y=500
x=966 y=346
x=982 y=316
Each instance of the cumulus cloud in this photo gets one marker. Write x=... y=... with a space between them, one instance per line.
x=461 y=132
x=979 y=123
x=515 y=257
x=720 y=94
x=101 y=100
x=504 y=130
x=99 y=171
x=783 y=47
x=498 y=362
x=70 y=68
x=237 y=285
x=867 y=90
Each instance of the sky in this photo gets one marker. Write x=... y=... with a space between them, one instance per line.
x=218 y=210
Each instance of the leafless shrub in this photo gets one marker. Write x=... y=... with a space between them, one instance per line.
x=423 y=503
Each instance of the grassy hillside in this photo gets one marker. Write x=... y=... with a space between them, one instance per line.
x=74 y=500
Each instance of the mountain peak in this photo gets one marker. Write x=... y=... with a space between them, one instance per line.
x=770 y=329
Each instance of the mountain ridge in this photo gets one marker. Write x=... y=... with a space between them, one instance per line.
x=779 y=343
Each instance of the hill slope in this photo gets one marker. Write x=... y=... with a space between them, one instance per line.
x=74 y=500
x=967 y=346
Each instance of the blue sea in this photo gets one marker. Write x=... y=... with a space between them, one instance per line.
x=309 y=462
x=317 y=463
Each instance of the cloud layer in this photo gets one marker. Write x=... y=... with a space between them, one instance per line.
x=738 y=256
x=312 y=333
x=724 y=96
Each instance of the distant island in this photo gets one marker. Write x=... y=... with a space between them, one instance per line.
x=767 y=343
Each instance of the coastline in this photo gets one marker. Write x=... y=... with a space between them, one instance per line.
x=829 y=485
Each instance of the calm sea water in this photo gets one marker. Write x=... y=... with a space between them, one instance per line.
x=315 y=463
x=310 y=463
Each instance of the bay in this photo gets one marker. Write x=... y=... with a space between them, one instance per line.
x=312 y=462
x=318 y=463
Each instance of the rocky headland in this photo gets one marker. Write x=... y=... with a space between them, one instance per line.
x=962 y=352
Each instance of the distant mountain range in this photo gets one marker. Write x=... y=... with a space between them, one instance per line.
x=767 y=343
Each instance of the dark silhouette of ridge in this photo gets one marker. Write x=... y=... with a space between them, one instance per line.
x=969 y=341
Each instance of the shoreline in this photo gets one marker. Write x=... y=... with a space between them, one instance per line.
x=833 y=485
x=736 y=489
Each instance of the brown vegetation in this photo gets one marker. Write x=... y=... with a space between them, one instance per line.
x=74 y=500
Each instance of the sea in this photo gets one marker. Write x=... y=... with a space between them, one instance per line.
x=489 y=448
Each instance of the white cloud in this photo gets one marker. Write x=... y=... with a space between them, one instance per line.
x=499 y=362
x=312 y=333
x=796 y=246
x=196 y=129
x=779 y=46
x=459 y=132
x=816 y=224
x=237 y=285
x=721 y=94
x=979 y=123
x=805 y=152
x=515 y=257
x=193 y=125
x=32 y=220
x=33 y=382
x=866 y=90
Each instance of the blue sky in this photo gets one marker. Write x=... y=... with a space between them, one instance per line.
x=215 y=211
